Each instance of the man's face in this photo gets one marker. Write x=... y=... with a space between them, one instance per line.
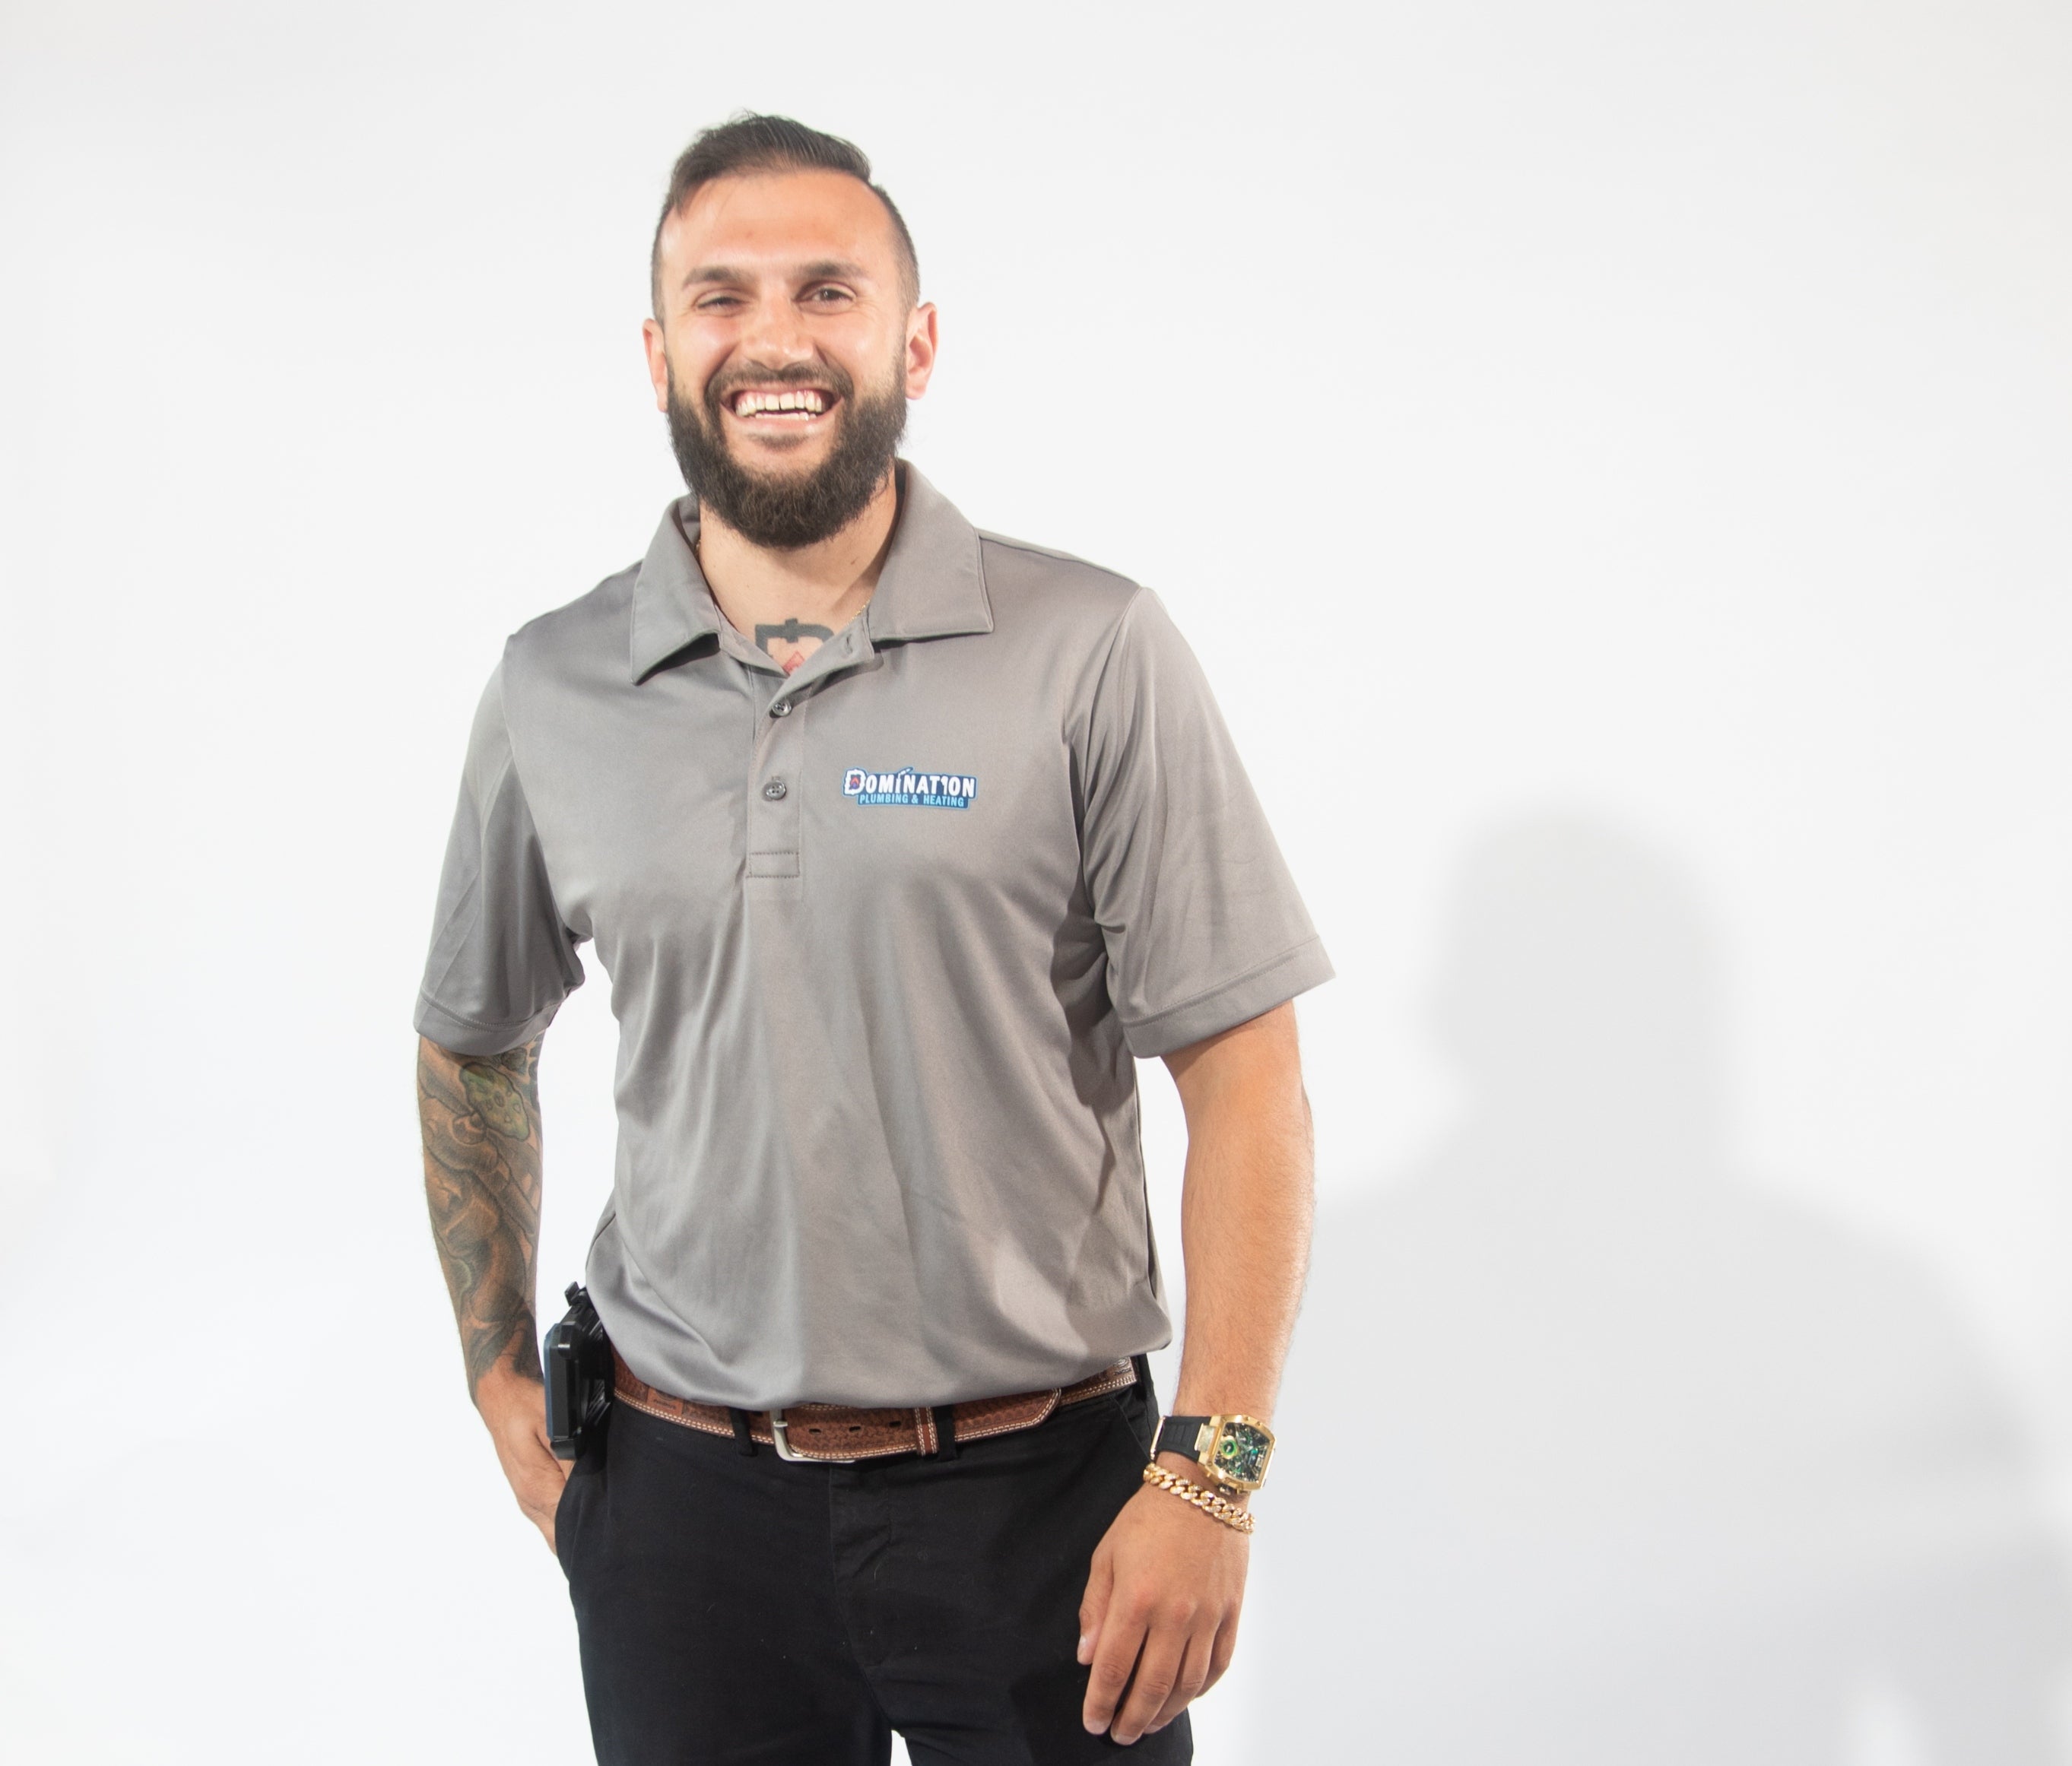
x=786 y=351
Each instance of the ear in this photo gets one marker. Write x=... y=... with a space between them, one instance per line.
x=921 y=339
x=658 y=362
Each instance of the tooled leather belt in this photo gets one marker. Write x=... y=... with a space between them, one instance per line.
x=837 y=1434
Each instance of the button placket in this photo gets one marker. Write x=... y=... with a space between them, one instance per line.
x=775 y=781
x=772 y=814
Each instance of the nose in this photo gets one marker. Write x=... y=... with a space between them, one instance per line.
x=775 y=335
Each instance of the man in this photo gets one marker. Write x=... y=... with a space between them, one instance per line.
x=897 y=842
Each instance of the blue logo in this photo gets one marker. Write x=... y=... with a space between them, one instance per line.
x=923 y=791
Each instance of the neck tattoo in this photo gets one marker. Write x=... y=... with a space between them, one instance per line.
x=789 y=645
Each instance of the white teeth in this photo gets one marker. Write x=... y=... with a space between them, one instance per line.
x=809 y=402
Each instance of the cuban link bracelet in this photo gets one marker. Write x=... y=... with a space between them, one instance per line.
x=1207 y=1501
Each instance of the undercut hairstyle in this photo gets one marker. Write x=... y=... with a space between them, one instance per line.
x=748 y=143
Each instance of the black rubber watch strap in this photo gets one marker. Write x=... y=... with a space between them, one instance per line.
x=1179 y=1434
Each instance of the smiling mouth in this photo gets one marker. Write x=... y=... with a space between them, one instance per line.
x=789 y=404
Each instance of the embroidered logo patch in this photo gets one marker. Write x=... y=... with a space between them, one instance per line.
x=923 y=791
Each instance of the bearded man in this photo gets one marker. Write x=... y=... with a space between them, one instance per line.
x=899 y=842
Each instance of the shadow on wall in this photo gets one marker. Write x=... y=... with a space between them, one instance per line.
x=1598 y=1453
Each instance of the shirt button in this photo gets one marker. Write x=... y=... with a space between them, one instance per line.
x=774 y=789
x=782 y=708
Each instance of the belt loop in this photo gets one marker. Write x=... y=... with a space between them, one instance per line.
x=744 y=1443
x=945 y=1432
x=1142 y=1365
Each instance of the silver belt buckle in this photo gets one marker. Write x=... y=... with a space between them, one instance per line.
x=780 y=1438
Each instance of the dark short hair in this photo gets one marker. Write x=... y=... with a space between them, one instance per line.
x=749 y=143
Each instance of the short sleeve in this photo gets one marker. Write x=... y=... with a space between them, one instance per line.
x=502 y=961
x=1203 y=927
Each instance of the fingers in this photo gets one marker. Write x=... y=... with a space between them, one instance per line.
x=1158 y=1621
x=1155 y=1683
x=1093 y=1605
x=516 y=1419
x=1121 y=1636
x=536 y=1477
x=540 y=1496
x=538 y=1505
x=1221 y=1651
x=1193 y=1680
x=1147 y=1667
x=1116 y=1655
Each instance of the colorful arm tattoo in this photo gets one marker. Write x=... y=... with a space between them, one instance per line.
x=481 y=1120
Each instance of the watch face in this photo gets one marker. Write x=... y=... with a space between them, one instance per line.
x=1241 y=1452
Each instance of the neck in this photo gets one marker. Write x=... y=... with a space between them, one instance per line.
x=826 y=584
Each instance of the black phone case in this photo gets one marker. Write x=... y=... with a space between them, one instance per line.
x=577 y=1358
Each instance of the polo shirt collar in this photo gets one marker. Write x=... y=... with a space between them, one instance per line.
x=672 y=608
x=932 y=585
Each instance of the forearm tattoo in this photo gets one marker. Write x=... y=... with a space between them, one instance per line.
x=481 y=1119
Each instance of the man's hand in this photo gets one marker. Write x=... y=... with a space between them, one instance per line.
x=481 y=1119
x=1159 y=1618
x=515 y=1407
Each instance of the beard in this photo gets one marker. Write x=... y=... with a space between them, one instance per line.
x=786 y=512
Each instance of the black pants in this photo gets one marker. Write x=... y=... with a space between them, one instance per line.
x=735 y=1608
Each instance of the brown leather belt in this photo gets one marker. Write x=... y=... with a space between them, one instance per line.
x=838 y=1434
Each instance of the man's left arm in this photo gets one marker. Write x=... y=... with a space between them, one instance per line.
x=1159 y=1620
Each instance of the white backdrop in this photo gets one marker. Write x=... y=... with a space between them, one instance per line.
x=1612 y=461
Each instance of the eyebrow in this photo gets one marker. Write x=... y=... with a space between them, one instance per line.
x=825 y=269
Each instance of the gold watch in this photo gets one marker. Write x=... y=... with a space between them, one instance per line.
x=1234 y=1450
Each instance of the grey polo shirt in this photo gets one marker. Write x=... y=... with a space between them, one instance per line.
x=882 y=939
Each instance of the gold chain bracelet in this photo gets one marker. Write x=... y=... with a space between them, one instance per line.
x=1207 y=1501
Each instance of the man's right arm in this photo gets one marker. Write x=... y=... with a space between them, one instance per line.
x=481 y=1120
